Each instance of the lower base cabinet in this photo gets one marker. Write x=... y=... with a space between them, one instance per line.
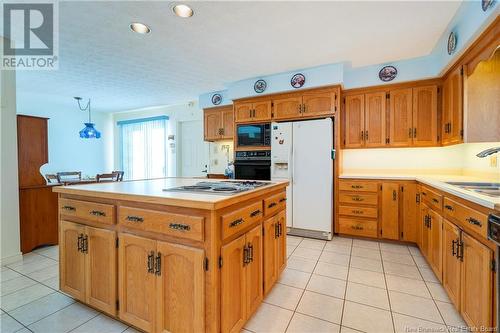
x=452 y=261
x=241 y=266
x=160 y=285
x=274 y=249
x=88 y=265
x=431 y=242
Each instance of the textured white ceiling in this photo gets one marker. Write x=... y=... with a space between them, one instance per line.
x=223 y=42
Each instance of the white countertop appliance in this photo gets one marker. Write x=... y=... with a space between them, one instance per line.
x=303 y=153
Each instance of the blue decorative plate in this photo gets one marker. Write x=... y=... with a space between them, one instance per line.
x=485 y=4
x=298 y=80
x=388 y=73
x=452 y=42
x=260 y=86
x=216 y=99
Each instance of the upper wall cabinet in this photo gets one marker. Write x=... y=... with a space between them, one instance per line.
x=218 y=123
x=452 y=122
x=425 y=116
x=250 y=112
x=400 y=117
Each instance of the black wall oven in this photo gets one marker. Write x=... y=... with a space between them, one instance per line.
x=253 y=135
x=253 y=165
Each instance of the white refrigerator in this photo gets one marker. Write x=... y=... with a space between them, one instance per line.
x=303 y=153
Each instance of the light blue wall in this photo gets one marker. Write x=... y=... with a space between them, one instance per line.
x=468 y=23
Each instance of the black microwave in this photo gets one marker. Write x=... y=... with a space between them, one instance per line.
x=252 y=135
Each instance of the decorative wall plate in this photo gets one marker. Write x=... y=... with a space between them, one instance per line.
x=260 y=86
x=485 y=4
x=388 y=73
x=298 y=80
x=216 y=99
x=452 y=42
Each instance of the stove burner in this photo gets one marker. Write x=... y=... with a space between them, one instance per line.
x=221 y=188
x=196 y=187
x=224 y=188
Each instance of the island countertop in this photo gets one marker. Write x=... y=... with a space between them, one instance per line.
x=152 y=191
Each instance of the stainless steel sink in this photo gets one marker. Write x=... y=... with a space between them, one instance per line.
x=489 y=189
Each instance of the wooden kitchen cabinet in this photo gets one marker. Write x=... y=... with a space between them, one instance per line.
x=375 y=119
x=318 y=103
x=400 y=117
x=281 y=221
x=287 y=107
x=253 y=111
x=452 y=115
x=451 y=262
x=255 y=270
x=72 y=262
x=312 y=103
x=218 y=123
x=409 y=209
x=425 y=130
x=274 y=249
x=424 y=231
x=435 y=243
x=354 y=121
x=389 y=223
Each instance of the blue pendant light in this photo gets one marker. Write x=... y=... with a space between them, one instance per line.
x=89 y=132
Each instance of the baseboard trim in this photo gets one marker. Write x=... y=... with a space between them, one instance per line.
x=10 y=259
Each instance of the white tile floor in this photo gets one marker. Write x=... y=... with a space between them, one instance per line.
x=343 y=286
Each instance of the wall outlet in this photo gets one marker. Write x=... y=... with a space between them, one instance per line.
x=493 y=161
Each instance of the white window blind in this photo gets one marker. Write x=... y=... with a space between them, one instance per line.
x=143 y=147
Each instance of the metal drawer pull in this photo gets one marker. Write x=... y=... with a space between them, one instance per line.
x=276 y=230
x=357 y=199
x=250 y=252
x=357 y=211
x=151 y=262
x=460 y=251
x=435 y=200
x=158 y=264
x=271 y=205
x=357 y=227
x=70 y=208
x=97 y=213
x=79 y=243
x=179 y=226
x=245 y=255
x=133 y=218
x=450 y=208
x=85 y=244
x=453 y=243
x=280 y=230
x=282 y=199
x=394 y=195
x=236 y=223
x=473 y=221
x=424 y=194
x=255 y=213
x=356 y=186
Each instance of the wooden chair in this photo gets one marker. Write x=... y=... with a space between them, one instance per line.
x=68 y=177
x=120 y=175
x=106 y=177
x=51 y=179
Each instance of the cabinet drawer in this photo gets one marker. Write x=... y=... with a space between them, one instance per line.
x=274 y=203
x=178 y=225
x=357 y=186
x=468 y=217
x=91 y=211
x=359 y=198
x=352 y=226
x=238 y=220
x=370 y=212
x=433 y=198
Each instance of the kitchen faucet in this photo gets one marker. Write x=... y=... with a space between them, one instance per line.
x=488 y=152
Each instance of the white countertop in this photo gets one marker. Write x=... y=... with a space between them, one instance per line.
x=152 y=191
x=439 y=182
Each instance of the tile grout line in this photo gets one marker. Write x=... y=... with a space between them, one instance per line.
x=388 y=297
x=346 y=285
x=24 y=326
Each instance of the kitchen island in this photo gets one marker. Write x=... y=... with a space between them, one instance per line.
x=167 y=260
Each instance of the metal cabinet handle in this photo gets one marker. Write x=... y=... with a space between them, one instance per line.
x=133 y=218
x=158 y=264
x=97 y=213
x=394 y=195
x=450 y=208
x=362 y=135
x=355 y=211
x=250 y=252
x=271 y=205
x=356 y=186
x=357 y=198
x=85 y=244
x=255 y=213
x=453 y=243
x=424 y=194
x=414 y=132
x=179 y=226
x=280 y=229
x=357 y=227
x=435 y=200
x=460 y=250
x=304 y=109
x=69 y=208
x=409 y=133
x=150 y=263
x=473 y=221
x=300 y=108
x=430 y=221
x=282 y=199
x=79 y=243
x=276 y=230
x=366 y=135
x=245 y=255
x=236 y=223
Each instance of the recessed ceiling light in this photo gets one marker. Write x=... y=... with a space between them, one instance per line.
x=140 y=28
x=183 y=11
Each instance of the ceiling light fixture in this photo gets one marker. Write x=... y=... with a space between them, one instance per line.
x=89 y=131
x=183 y=11
x=140 y=28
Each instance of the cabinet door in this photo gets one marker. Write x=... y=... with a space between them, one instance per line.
x=318 y=104
x=270 y=254
x=281 y=260
x=436 y=246
x=424 y=231
x=390 y=211
x=72 y=260
x=455 y=128
x=425 y=116
x=233 y=282
x=100 y=271
x=136 y=283
x=354 y=121
x=243 y=112
x=446 y=98
x=400 y=117
x=180 y=288
x=476 y=284
x=212 y=124
x=286 y=108
x=227 y=124
x=375 y=119
x=410 y=213
x=451 y=262
x=254 y=270
x=262 y=111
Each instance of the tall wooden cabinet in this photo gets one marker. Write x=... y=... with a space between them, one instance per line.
x=425 y=129
x=218 y=123
x=354 y=130
x=452 y=115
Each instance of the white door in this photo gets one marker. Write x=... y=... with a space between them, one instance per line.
x=194 y=151
x=313 y=175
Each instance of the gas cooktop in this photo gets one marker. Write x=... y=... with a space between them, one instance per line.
x=221 y=188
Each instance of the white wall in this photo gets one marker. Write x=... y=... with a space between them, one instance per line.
x=10 y=248
x=220 y=154
x=69 y=152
